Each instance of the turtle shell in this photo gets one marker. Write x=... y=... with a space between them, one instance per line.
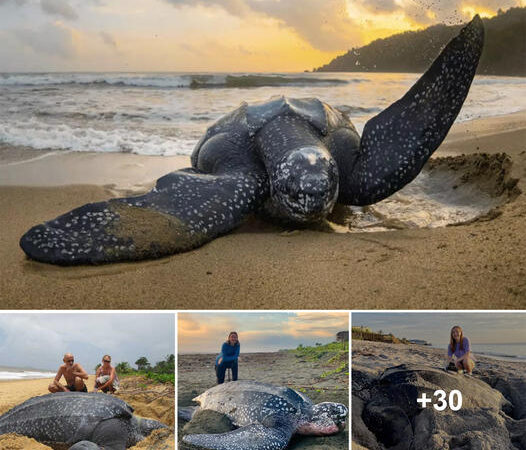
x=63 y=417
x=247 y=402
x=244 y=122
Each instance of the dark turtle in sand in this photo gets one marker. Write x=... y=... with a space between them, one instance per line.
x=78 y=421
x=266 y=416
x=292 y=159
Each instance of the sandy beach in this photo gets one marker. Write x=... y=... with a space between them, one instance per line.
x=283 y=368
x=386 y=378
x=478 y=265
x=149 y=400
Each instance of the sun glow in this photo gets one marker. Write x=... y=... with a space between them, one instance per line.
x=471 y=10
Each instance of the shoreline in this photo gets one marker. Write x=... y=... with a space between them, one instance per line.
x=130 y=172
x=479 y=265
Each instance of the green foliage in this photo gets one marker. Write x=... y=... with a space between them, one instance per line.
x=123 y=368
x=413 y=51
x=343 y=367
x=320 y=351
x=161 y=377
x=142 y=363
x=161 y=372
x=366 y=334
x=97 y=367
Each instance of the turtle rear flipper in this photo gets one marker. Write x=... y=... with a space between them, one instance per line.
x=183 y=211
x=253 y=437
x=396 y=143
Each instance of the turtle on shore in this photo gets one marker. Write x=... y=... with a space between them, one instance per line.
x=291 y=159
x=266 y=416
x=78 y=421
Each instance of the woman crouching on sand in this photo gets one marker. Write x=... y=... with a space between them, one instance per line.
x=227 y=359
x=106 y=377
x=460 y=348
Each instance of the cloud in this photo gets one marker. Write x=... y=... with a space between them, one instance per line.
x=51 y=39
x=59 y=8
x=108 y=39
x=15 y=2
x=39 y=340
x=325 y=24
x=205 y=332
x=427 y=12
x=380 y=6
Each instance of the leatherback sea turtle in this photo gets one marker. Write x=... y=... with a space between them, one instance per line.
x=267 y=416
x=78 y=421
x=291 y=158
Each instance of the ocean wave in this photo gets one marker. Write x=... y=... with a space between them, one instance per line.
x=164 y=81
x=39 y=135
x=351 y=110
x=24 y=374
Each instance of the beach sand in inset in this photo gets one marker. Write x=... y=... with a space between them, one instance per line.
x=150 y=400
x=481 y=265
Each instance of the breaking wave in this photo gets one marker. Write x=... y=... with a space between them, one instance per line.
x=167 y=81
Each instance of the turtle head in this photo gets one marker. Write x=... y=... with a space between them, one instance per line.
x=325 y=419
x=305 y=184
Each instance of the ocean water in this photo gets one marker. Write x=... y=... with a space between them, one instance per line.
x=505 y=351
x=15 y=373
x=167 y=113
x=513 y=351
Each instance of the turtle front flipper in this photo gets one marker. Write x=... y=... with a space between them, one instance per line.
x=251 y=437
x=184 y=210
x=396 y=143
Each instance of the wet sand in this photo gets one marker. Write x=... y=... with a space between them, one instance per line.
x=196 y=374
x=149 y=400
x=481 y=265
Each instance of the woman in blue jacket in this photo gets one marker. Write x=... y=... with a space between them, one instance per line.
x=228 y=358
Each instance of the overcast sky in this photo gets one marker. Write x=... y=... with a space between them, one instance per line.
x=208 y=35
x=481 y=328
x=258 y=332
x=39 y=340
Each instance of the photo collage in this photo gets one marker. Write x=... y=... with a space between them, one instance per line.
x=262 y=225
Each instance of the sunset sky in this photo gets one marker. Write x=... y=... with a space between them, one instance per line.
x=208 y=35
x=258 y=332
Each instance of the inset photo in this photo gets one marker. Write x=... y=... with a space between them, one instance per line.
x=87 y=381
x=438 y=380
x=263 y=380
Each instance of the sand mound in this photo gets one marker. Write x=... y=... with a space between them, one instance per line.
x=12 y=441
x=148 y=399
x=449 y=191
x=158 y=440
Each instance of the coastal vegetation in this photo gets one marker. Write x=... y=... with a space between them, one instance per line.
x=334 y=355
x=413 y=51
x=161 y=372
x=366 y=334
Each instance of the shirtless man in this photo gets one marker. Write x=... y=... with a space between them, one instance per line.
x=74 y=375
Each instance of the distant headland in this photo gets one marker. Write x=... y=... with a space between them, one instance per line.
x=413 y=51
